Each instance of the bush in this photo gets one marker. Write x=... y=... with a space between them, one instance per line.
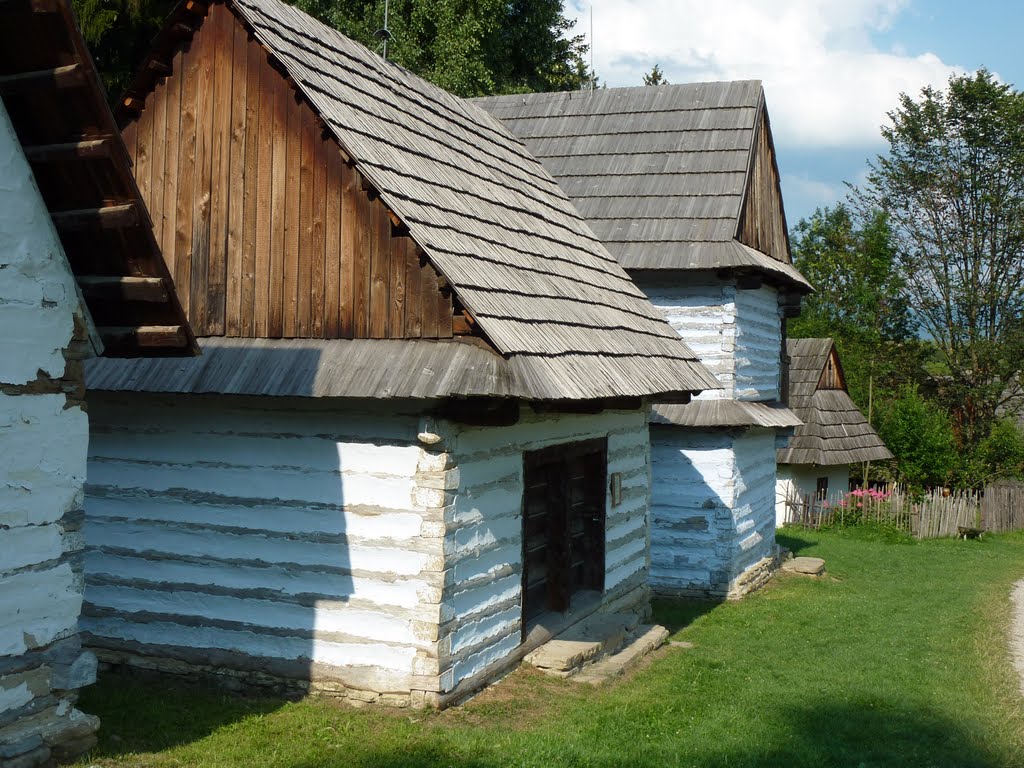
x=920 y=436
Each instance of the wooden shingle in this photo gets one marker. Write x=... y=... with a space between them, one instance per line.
x=834 y=430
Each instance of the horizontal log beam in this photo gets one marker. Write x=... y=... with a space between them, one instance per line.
x=32 y=6
x=108 y=217
x=102 y=287
x=70 y=76
x=87 y=149
x=143 y=336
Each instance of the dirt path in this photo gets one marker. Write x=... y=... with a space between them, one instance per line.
x=1017 y=631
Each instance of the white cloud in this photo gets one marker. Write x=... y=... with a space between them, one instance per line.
x=826 y=82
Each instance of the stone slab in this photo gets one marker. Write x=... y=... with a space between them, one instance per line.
x=809 y=566
x=646 y=638
x=583 y=642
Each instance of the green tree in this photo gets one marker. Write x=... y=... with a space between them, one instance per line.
x=655 y=77
x=468 y=47
x=952 y=187
x=851 y=262
x=118 y=33
x=920 y=436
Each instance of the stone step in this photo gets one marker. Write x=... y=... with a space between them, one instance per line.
x=582 y=643
x=809 y=566
x=644 y=639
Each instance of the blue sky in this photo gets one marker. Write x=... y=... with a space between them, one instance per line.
x=831 y=69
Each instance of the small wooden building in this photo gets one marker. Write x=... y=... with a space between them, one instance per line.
x=415 y=444
x=680 y=183
x=80 y=275
x=834 y=433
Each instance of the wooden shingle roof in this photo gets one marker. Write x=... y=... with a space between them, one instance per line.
x=668 y=177
x=834 y=429
x=568 y=321
x=58 y=108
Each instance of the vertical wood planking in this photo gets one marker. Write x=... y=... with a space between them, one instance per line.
x=144 y=148
x=444 y=313
x=396 y=319
x=429 y=290
x=318 y=251
x=220 y=185
x=237 y=201
x=186 y=174
x=129 y=136
x=205 y=41
x=291 y=237
x=332 y=246
x=359 y=224
x=380 y=256
x=265 y=230
x=156 y=195
x=253 y=157
x=413 y=290
x=349 y=228
x=169 y=208
x=282 y=96
x=307 y=203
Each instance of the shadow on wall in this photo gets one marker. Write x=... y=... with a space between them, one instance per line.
x=243 y=534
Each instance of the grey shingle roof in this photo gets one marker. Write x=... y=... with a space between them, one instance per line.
x=659 y=173
x=566 y=318
x=834 y=429
x=372 y=368
x=725 y=413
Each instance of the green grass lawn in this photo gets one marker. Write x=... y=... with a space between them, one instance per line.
x=897 y=658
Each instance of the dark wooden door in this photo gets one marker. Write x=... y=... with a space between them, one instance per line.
x=563 y=525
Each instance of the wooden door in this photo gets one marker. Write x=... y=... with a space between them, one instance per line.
x=563 y=525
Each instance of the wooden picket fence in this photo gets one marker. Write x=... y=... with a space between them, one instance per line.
x=936 y=513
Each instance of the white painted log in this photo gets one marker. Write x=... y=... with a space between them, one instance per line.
x=38 y=294
x=37 y=607
x=42 y=458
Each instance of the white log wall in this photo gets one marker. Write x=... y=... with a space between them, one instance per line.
x=758 y=344
x=796 y=482
x=368 y=546
x=712 y=507
x=482 y=613
x=736 y=333
x=288 y=535
x=43 y=441
x=703 y=311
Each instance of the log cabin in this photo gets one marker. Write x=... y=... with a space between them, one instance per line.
x=415 y=445
x=680 y=182
x=834 y=434
x=80 y=276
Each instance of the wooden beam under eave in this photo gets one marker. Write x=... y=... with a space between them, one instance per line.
x=68 y=76
x=85 y=150
x=144 y=336
x=108 y=217
x=145 y=289
x=32 y=6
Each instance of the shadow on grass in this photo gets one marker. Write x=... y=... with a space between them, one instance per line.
x=149 y=713
x=870 y=732
x=790 y=539
x=675 y=613
x=867 y=733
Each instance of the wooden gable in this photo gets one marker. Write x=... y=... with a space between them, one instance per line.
x=268 y=228
x=832 y=376
x=762 y=221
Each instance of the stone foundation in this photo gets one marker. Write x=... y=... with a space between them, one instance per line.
x=754 y=578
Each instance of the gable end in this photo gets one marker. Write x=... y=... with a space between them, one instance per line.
x=267 y=226
x=762 y=219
